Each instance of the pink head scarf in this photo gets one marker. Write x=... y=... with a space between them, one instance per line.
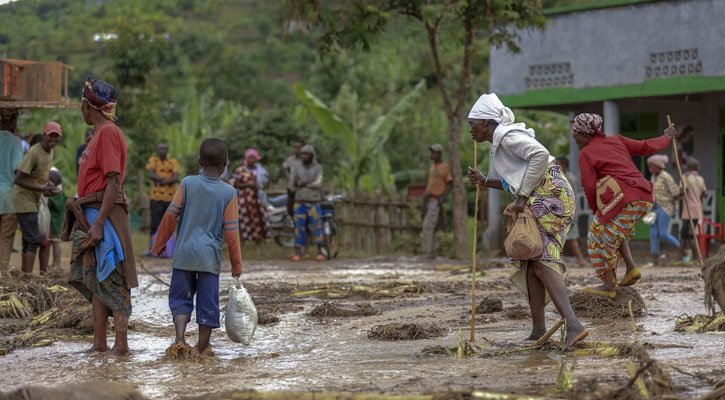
x=251 y=153
x=658 y=160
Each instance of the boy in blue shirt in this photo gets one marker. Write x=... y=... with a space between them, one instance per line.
x=205 y=210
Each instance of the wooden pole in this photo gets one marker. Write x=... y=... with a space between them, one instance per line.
x=475 y=246
x=684 y=193
x=549 y=333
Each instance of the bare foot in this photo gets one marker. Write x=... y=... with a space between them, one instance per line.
x=119 y=351
x=575 y=335
x=179 y=351
x=97 y=348
x=535 y=335
x=206 y=352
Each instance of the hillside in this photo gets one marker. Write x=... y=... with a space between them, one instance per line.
x=190 y=69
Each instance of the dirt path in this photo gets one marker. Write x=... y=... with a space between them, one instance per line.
x=311 y=353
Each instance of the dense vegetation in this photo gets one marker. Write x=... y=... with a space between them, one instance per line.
x=190 y=69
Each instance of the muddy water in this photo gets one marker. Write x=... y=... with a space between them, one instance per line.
x=304 y=353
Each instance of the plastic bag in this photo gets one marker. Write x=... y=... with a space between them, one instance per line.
x=44 y=217
x=241 y=316
x=524 y=240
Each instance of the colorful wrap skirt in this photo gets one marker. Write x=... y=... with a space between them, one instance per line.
x=112 y=291
x=603 y=241
x=553 y=206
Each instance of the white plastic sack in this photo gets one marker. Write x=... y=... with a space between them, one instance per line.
x=44 y=217
x=241 y=317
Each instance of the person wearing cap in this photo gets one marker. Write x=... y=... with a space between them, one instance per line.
x=31 y=182
x=439 y=186
x=307 y=181
x=98 y=222
x=253 y=221
x=11 y=155
x=164 y=174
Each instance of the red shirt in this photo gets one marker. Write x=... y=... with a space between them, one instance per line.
x=105 y=153
x=611 y=156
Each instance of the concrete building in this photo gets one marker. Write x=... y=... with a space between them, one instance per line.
x=633 y=62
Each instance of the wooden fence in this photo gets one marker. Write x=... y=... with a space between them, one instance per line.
x=371 y=223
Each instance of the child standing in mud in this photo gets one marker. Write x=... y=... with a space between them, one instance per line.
x=205 y=208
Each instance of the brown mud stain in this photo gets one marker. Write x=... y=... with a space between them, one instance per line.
x=597 y=306
x=330 y=310
x=647 y=380
x=76 y=391
x=397 y=331
x=714 y=275
x=517 y=312
x=490 y=305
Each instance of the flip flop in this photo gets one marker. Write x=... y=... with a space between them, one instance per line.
x=320 y=257
x=606 y=293
x=631 y=278
x=579 y=338
x=295 y=258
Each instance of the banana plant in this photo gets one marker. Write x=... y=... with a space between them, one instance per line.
x=365 y=165
x=202 y=117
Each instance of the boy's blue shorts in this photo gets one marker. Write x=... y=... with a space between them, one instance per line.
x=184 y=284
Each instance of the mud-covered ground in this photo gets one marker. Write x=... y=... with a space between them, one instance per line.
x=301 y=352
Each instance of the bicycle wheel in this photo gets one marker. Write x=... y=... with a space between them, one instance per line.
x=330 y=243
x=334 y=245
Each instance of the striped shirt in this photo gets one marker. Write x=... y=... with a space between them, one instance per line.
x=205 y=210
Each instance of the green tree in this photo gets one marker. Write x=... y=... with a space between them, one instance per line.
x=365 y=165
x=451 y=28
x=201 y=118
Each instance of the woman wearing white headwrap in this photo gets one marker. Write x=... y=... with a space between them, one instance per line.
x=522 y=166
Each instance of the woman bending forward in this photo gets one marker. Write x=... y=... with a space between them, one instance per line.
x=524 y=168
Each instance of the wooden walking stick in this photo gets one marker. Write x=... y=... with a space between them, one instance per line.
x=684 y=193
x=475 y=245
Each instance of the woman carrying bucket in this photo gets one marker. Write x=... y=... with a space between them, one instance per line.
x=524 y=168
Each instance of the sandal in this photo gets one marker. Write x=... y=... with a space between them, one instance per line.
x=295 y=258
x=320 y=257
x=631 y=278
x=611 y=294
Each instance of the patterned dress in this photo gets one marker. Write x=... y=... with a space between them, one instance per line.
x=604 y=240
x=253 y=220
x=553 y=205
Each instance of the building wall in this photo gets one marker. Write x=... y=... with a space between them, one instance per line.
x=616 y=46
x=702 y=115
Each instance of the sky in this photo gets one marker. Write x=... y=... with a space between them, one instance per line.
x=5 y=1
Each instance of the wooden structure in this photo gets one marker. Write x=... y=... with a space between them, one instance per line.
x=371 y=223
x=29 y=84
x=378 y=224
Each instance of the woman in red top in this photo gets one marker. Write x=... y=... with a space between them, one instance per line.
x=107 y=274
x=617 y=192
